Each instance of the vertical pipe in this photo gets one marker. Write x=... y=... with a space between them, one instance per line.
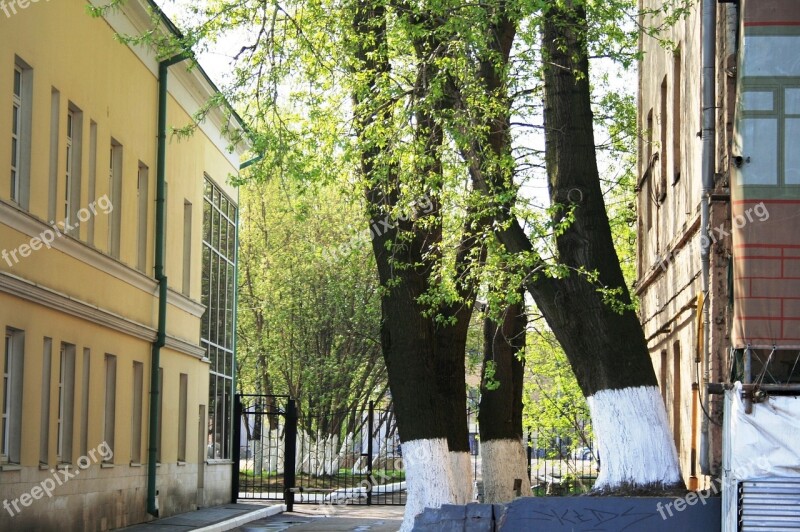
x=160 y=276
x=709 y=23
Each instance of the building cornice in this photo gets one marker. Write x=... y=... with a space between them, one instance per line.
x=51 y=299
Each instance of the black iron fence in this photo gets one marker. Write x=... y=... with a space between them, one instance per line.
x=355 y=457
x=345 y=457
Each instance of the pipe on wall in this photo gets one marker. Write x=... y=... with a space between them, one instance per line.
x=161 y=278
x=709 y=42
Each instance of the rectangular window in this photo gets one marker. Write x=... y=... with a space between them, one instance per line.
x=115 y=194
x=72 y=172
x=662 y=181
x=86 y=368
x=136 y=416
x=142 y=208
x=187 y=247
x=66 y=403
x=110 y=403
x=92 y=183
x=44 y=421
x=217 y=331
x=55 y=113
x=21 y=113
x=760 y=136
x=183 y=395
x=11 y=411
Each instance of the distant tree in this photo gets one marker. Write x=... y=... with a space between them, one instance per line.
x=309 y=313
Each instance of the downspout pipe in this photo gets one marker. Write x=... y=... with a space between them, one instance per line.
x=709 y=24
x=161 y=278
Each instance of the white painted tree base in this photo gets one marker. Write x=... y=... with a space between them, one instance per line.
x=461 y=466
x=633 y=438
x=428 y=477
x=502 y=461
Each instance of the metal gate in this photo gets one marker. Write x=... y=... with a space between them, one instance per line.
x=263 y=423
x=300 y=455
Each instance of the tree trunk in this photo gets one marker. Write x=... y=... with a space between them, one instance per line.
x=605 y=345
x=503 y=459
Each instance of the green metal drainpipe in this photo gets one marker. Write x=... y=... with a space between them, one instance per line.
x=155 y=359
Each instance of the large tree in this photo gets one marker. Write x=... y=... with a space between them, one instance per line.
x=418 y=96
x=587 y=306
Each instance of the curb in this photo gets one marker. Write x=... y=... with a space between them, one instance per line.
x=230 y=524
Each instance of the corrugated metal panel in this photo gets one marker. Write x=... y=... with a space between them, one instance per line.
x=769 y=505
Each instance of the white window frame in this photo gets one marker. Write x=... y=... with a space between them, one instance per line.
x=66 y=403
x=109 y=416
x=136 y=413
x=16 y=134
x=115 y=195
x=21 y=134
x=68 y=154
x=11 y=408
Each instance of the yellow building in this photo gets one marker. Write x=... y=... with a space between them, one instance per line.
x=82 y=278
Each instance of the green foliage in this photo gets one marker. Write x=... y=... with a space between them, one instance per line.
x=308 y=324
x=552 y=398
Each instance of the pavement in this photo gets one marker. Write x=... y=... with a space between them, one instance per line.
x=274 y=518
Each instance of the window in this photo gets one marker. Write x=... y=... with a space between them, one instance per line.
x=11 y=413
x=676 y=402
x=662 y=181
x=85 y=372
x=110 y=403
x=219 y=270
x=21 y=113
x=677 y=113
x=66 y=403
x=136 y=416
x=187 y=247
x=183 y=392
x=141 y=193
x=115 y=194
x=55 y=112
x=44 y=421
x=92 y=184
x=72 y=170
x=768 y=126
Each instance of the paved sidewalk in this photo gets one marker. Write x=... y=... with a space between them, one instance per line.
x=331 y=519
x=213 y=519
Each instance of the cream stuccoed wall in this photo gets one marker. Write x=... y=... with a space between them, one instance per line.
x=77 y=293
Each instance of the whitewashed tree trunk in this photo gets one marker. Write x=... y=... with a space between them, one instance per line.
x=461 y=466
x=633 y=439
x=429 y=478
x=502 y=463
x=258 y=454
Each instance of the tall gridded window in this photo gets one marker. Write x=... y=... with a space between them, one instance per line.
x=219 y=270
x=11 y=398
x=21 y=133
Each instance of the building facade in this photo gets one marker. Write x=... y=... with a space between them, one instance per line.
x=701 y=317
x=96 y=285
